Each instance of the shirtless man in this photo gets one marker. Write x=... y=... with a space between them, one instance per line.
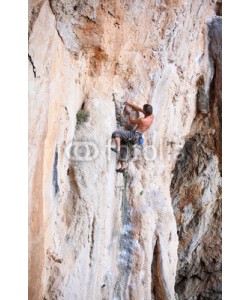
x=125 y=136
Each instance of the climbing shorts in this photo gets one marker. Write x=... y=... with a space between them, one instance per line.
x=127 y=136
x=124 y=135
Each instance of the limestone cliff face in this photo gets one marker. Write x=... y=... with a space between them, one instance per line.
x=196 y=190
x=94 y=234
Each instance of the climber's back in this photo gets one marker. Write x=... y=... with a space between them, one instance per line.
x=144 y=123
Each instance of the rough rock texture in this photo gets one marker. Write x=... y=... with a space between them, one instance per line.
x=94 y=234
x=196 y=191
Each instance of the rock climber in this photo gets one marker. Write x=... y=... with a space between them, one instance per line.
x=123 y=137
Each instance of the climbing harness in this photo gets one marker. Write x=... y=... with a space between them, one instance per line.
x=136 y=137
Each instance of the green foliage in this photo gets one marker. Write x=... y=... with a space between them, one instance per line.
x=141 y=193
x=82 y=116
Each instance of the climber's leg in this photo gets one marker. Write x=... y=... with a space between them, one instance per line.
x=123 y=156
x=119 y=135
x=121 y=138
x=123 y=165
x=118 y=143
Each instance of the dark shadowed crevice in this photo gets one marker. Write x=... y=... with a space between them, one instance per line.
x=92 y=242
x=218 y=8
x=212 y=89
x=215 y=93
x=201 y=96
x=157 y=284
x=73 y=196
x=55 y=173
x=32 y=64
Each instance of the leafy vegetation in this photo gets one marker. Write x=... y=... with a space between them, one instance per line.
x=82 y=116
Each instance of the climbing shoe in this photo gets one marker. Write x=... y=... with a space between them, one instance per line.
x=121 y=170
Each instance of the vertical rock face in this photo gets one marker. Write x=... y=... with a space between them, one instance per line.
x=94 y=234
x=196 y=191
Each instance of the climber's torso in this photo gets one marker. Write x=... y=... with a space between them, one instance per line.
x=145 y=123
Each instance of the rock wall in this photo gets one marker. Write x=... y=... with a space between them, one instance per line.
x=94 y=234
x=196 y=190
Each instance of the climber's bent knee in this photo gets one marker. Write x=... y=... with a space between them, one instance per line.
x=122 y=134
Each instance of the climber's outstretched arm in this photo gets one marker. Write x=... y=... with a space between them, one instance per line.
x=135 y=107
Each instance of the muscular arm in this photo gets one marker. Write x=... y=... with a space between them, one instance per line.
x=135 y=107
